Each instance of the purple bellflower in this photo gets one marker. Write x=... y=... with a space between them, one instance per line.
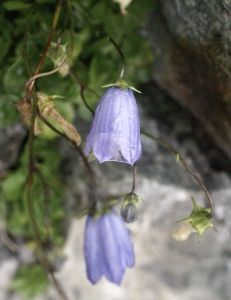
x=115 y=131
x=108 y=248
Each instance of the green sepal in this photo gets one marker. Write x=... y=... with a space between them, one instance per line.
x=99 y=208
x=57 y=53
x=121 y=82
x=57 y=96
x=131 y=198
x=200 y=218
x=45 y=101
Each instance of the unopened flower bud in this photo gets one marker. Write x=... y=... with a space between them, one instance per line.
x=129 y=210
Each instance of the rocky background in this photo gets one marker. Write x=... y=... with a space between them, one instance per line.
x=186 y=105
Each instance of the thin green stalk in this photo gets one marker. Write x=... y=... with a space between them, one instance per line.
x=73 y=143
x=134 y=178
x=29 y=197
x=46 y=196
x=83 y=87
x=179 y=157
x=31 y=81
x=121 y=55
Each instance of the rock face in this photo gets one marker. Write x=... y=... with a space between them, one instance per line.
x=11 y=141
x=191 y=41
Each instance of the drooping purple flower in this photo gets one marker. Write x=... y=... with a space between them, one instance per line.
x=108 y=248
x=115 y=131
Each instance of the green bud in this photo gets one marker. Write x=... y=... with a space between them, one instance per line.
x=129 y=210
x=200 y=218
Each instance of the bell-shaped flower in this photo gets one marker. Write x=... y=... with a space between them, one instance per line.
x=108 y=248
x=115 y=131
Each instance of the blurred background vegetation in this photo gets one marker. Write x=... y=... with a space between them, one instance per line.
x=24 y=31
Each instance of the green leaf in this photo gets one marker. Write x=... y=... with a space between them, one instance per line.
x=30 y=281
x=13 y=185
x=15 y=5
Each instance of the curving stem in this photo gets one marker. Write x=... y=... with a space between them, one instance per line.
x=179 y=157
x=121 y=55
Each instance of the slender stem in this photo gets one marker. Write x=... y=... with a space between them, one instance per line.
x=166 y=145
x=5 y=239
x=31 y=156
x=58 y=286
x=121 y=55
x=30 y=207
x=134 y=178
x=53 y=27
x=31 y=166
x=29 y=198
x=31 y=81
x=46 y=196
x=83 y=85
x=48 y=269
x=24 y=51
x=89 y=172
x=73 y=143
x=85 y=102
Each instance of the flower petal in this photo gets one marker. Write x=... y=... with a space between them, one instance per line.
x=125 y=246
x=92 y=251
x=113 y=269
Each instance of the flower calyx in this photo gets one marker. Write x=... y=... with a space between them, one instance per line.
x=57 y=53
x=122 y=83
x=47 y=108
x=99 y=208
x=200 y=218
